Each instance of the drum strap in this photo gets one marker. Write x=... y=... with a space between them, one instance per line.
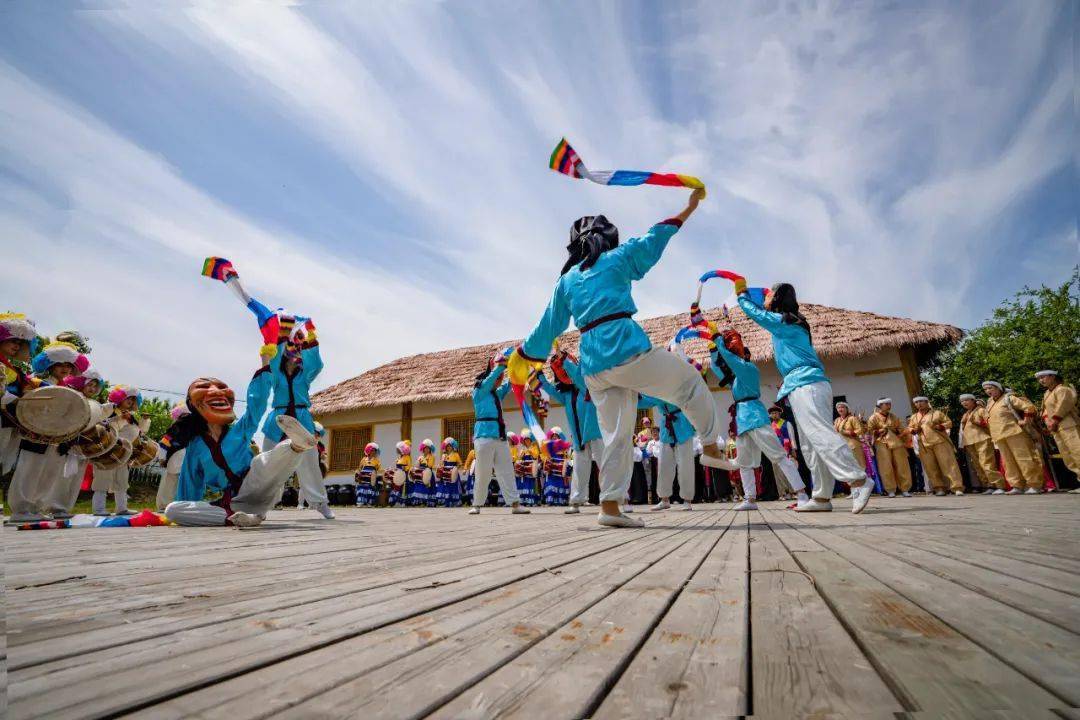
x=31 y=446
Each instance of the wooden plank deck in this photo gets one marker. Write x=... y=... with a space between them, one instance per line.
x=919 y=608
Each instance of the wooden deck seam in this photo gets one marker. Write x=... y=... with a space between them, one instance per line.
x=989 y=650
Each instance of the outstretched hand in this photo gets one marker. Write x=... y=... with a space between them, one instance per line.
x=695 y=197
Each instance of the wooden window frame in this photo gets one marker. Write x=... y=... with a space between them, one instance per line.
x=465 y=444
x=332 y=450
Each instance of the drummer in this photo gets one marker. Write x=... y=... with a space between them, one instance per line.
x=17 y=332
x=395 y=477
x=63 y=495
x=40 y=464
x=128 y=425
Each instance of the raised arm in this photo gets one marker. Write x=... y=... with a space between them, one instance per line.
x=258 y=397
x=555 y=320
x=769 y=320
x=312 y=359
x=549 y=387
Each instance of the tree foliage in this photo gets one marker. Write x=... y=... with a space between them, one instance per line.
x=158 y=411
x=1036 y=330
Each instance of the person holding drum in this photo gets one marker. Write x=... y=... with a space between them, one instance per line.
x=218 y=457
x=527 y=468
x=366 y=475
x=448 y=486
x=556 y=485
x=297 y=363
x=422 y=490
x=17 y=332
x=49 y=419
x=395 y=477
x=64 y=493
x=113 y=476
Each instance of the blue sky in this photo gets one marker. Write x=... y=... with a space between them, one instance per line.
x=384 y=169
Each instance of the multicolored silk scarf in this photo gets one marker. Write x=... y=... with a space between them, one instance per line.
x=565 y=160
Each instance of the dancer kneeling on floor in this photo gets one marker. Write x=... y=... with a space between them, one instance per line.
x=219 y=457
x=617 y=357
x=809 y=393
x=755 y=431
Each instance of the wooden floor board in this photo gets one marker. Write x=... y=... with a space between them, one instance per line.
x=918 y=608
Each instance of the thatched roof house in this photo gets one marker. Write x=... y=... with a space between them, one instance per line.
x=448 y=374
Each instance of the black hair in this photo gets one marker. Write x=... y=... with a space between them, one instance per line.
x=785 y=303
x=590 y=237
x=184 y=430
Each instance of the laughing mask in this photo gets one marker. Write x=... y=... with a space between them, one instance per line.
x=213 y=400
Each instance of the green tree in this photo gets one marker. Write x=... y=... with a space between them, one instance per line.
x=1036 y=330
x=158 y=411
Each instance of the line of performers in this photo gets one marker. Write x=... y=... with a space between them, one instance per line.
x=57 y=418
x=52 y=425
x=1004 y=437
x=542 y=474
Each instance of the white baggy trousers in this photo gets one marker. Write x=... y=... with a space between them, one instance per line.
x=748 y=449
x=35 y=474
x=662 y=375
x=166 y=491
x=583 y=460
x=828 y=456
x=680 y=457
x=493 y=453
x=308 y=473
x=63 y=495
x=258 y=492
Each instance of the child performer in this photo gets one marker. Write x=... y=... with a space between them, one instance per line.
x=294 y=368
x=41 y=465
x=128 y=424
x=617 y=357
x=422 y=492
x=366 y=475
x=174 y=460
x=489 y=437
x=468 y=477
x=395 y=478
x=556 y=490
x=569 y=389
x=754 y=431
x=448 y=487
x=809 y=392
x=219 y=458
x=527 y=469
x=61 y=499
x=17 y=332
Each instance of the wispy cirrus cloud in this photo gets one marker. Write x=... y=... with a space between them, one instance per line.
x=384 y=167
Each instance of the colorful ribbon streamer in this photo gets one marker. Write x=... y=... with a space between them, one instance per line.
x=756 y=294
x=565 y=160
x=270 y=321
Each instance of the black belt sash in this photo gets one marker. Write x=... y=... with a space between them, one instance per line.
x=605 y=319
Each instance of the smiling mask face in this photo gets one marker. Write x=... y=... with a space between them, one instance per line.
x=213 y=399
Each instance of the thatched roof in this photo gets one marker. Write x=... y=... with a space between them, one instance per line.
x=449 y=374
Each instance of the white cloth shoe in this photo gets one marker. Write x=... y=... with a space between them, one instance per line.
x=619 y=521
x=572 y=510
x=905 y=494
x=626 y=509
x=860 y=497
x=812 y=505
x=244 y=520
x=988 y=491
x=474 y=510
x=958 y=492
x=519 y=510
x=301 y=438
x=1032 y=491
x=662 y=505
x=939 y=493
x=746 y=505
x=686 y=507
x=998 y=491
x=892 y=495
x=324 y=510
x=1014 y=491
